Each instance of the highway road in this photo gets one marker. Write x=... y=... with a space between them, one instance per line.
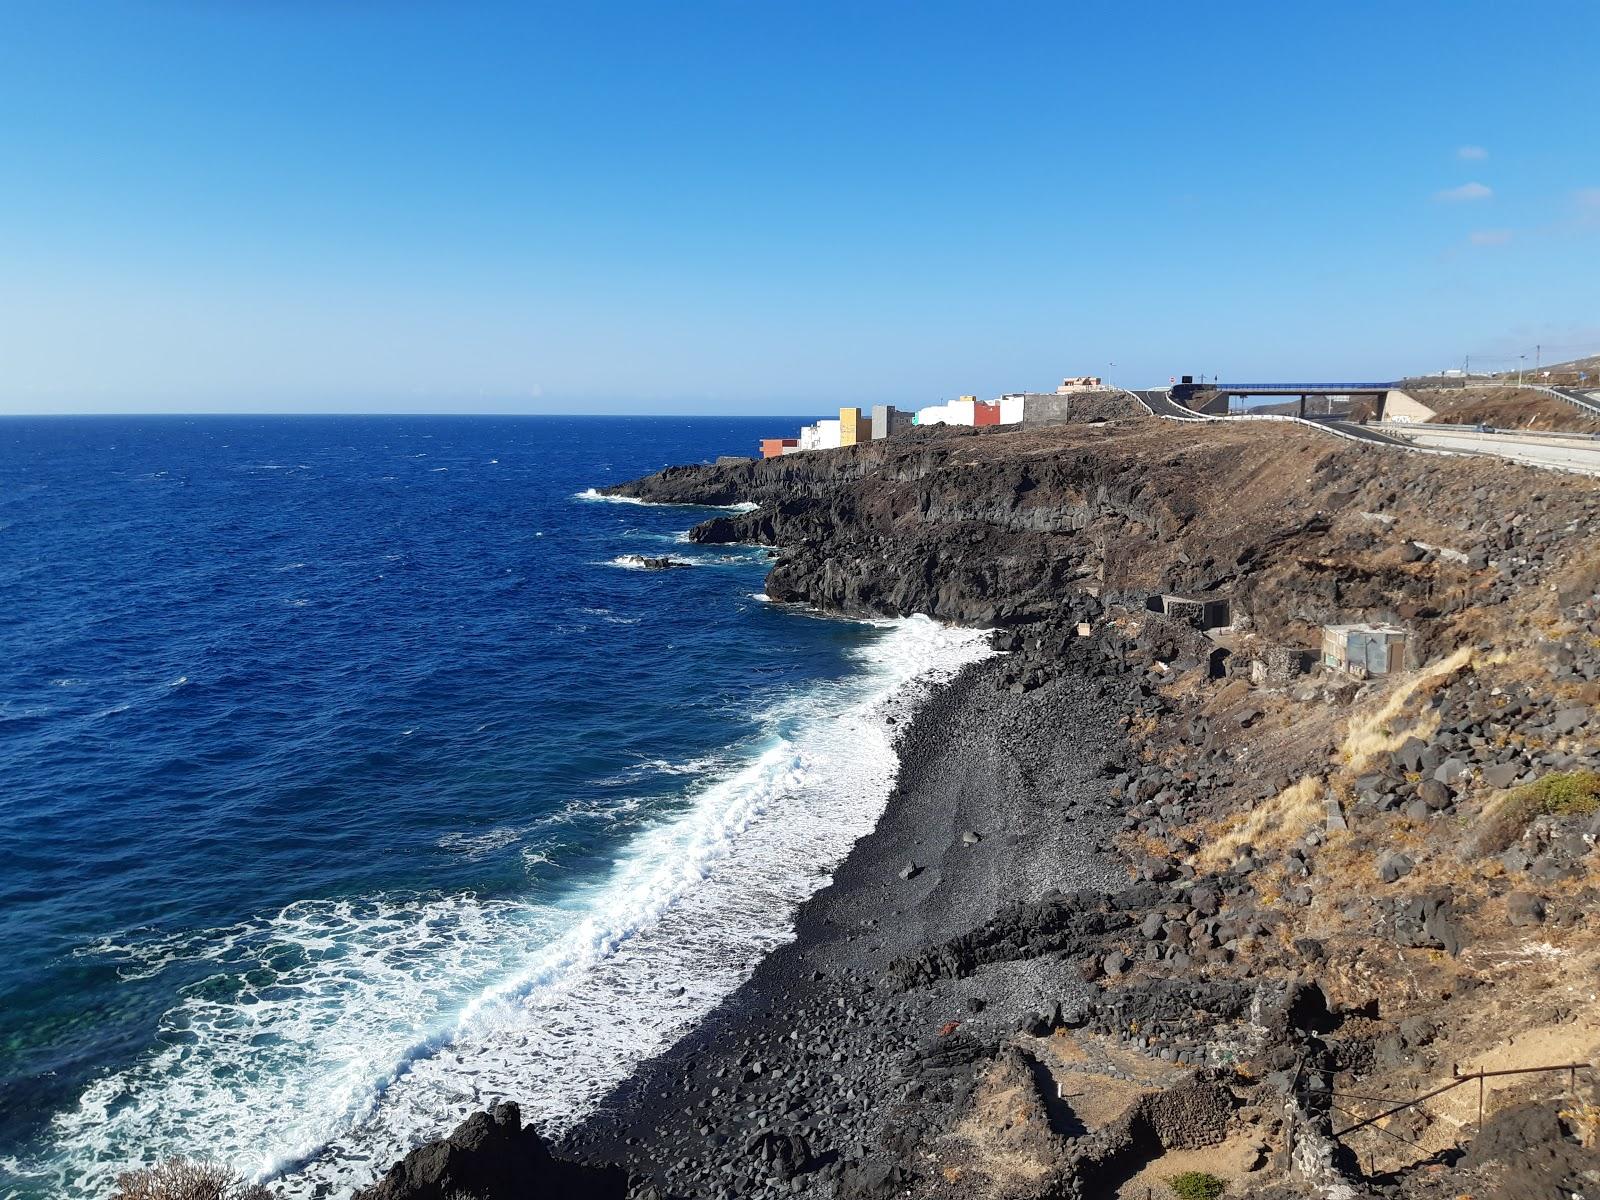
x=1569 y=453
x=1574 y=453
x=1162 y=405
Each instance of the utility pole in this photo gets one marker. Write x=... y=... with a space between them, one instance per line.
x=1521 y=358
x=1536 y=351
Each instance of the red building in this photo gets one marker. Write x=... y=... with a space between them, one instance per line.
x=986 y=412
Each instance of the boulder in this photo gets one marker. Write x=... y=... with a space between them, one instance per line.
x=1434 y=794
x=492 y=1156
x=1568 y=720
x=1427 y=922
x=1393 y=865
x=1524 y=908
x=1502 y=775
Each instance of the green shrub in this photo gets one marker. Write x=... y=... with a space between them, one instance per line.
x=1572 y=794
x=1195 y=1185
x=1568 y=794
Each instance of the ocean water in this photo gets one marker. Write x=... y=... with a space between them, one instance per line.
x=350 y=782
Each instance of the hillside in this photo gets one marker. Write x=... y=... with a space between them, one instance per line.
x=1150 y=899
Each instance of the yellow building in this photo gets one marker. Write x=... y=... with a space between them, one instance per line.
x=853 y=427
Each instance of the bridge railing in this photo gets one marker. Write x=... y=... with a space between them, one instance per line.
x=1296 y=388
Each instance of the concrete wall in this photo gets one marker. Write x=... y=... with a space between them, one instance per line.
x=1039 y=408
x=1397 y=406
x=961 y=412
x=887 y=420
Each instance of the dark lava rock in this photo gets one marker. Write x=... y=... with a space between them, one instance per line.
x=491 y=1156
x=785 y=1154
x=1393 y=865
x=1524 y=908
x=1502 y=775
x=1427 y=922
x=874 y=1179
x=1434 y=794
x=646 y=563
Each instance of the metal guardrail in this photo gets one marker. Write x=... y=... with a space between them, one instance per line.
x=1173 y=411
x=1404 y=427
x=1579 y=400
x=1571 y=1069
x=1296 y=388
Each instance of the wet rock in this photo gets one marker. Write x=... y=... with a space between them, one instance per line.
x=644 y=562
x=492 y=1156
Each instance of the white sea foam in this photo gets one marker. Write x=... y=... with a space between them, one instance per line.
x=476 y=845
x=594 y=494
x=327 y=1039
x=635 y=562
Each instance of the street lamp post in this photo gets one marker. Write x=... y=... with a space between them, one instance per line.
x=1521 y=358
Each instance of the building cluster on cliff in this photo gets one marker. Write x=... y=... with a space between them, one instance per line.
x=885 y=420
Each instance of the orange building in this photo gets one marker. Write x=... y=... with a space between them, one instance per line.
x=776 y=447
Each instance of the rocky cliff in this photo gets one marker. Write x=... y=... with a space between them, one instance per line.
x=1391 y=837
x=1155 y=899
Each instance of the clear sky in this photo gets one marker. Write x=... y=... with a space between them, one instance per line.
x=406 y=205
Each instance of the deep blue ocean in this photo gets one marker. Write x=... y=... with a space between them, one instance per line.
x=348 y=782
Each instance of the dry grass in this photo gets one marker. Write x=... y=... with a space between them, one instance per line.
x=185 y=1179
x=1379 y=732
x=1273 y=822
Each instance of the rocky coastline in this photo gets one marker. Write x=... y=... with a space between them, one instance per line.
x=1153 y=899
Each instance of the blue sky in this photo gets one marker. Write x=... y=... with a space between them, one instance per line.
x=688 y=207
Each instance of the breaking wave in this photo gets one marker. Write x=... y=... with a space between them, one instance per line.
x=594 y=494
x=320 y=1042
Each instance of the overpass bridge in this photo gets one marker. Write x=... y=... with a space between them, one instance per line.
x=1218 y=395
x=1162 y=402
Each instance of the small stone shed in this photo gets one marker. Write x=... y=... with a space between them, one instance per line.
x=1203 y=612
x=1364 y=649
